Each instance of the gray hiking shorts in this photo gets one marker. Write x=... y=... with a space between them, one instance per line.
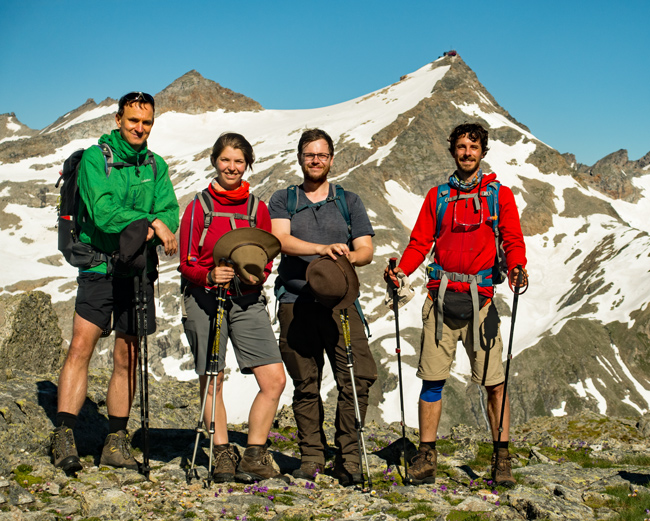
x=245 y=322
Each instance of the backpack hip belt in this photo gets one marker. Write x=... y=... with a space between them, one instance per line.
x=483 y=278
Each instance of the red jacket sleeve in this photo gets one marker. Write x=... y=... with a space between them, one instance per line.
x=422 y=235
x=510 y=229
x=194 y=271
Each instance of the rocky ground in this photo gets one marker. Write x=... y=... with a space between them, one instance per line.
x=582 y=467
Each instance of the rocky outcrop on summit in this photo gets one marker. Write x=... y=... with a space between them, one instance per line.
x=194 y=94
x=613 y=175
x=11 y=128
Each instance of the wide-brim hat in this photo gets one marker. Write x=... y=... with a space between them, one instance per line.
x=334 y=283
x=249 y=249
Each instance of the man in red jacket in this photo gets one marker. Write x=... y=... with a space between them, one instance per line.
x=459 y=304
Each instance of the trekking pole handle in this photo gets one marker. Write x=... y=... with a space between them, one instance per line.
x=392 y=264
x=518 y=289
x=225 y=262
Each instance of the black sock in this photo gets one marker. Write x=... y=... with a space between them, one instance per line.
x=500 y=445
x=427 y=445
x=117 y=423
x=67 y=419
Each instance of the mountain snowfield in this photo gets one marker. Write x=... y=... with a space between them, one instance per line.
x=590 y=266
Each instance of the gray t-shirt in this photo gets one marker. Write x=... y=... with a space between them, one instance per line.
x=319 y=224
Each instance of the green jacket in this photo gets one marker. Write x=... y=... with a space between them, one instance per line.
x=127 y=195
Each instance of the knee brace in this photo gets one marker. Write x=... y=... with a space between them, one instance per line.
x=431 y=390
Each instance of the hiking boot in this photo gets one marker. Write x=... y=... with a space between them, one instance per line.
x=502 y=469
x=257 y=465
x=118 y=451
x=423 y=467
x=308 y=470
x=224 y=461
x=64 y=450
x=348 y=473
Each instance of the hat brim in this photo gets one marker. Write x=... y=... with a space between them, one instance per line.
x=350 y=274
x=246 y=237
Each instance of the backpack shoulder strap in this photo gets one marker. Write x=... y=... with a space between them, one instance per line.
x=292 y=200
x=342 y=205
x=208 y=210
x=151 y=159
x=253 y=203
x=493 y=205
x=108 y=157
x=441 y=205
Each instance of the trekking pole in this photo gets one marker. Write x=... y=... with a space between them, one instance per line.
x=517 y=291
x=392 y=263
x=345 y=322
x=143 y=362
x=212 y=372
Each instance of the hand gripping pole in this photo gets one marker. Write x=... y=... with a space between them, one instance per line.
x=392 y=263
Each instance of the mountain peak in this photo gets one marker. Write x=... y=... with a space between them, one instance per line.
x=194 y=94
x=10 y=127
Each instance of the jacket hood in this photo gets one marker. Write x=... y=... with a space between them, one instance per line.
x=488 y=178
x=122 y=149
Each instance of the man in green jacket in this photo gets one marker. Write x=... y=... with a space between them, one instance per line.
x=132 y=191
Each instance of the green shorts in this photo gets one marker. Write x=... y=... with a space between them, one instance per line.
x=436 y=358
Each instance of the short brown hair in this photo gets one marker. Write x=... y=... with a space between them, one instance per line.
x=474 y=131
x=314 y=134
x=234 y=140
x=135 y=98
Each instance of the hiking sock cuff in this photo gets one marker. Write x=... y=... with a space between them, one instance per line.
x=117 y=423
x=427 y=445
x=67 y=419
x=500 y=445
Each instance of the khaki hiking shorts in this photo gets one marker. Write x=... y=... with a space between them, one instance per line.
x=436 y=358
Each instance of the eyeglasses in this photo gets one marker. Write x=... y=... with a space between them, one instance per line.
x=321 y=157
x=136 y=96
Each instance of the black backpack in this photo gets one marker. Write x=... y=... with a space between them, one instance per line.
x=77 y=253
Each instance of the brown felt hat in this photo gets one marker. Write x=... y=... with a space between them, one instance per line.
x=249 y=249
x=334 y=283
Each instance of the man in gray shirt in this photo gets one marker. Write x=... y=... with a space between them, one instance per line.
x=310 y=224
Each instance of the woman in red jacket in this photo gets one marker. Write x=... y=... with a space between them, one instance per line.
x=245 y=322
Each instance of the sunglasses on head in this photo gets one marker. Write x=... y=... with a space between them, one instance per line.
x=136 y=96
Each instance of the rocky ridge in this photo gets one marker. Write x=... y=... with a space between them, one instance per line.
x=194 y=94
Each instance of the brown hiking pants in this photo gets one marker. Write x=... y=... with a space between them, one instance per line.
x=307 y=332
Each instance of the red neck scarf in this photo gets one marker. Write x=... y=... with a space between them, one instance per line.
x=238 y=195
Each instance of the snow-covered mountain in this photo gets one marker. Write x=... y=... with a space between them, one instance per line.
x=582 y=338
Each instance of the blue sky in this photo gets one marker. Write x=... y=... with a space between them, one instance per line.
x=576 y=73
